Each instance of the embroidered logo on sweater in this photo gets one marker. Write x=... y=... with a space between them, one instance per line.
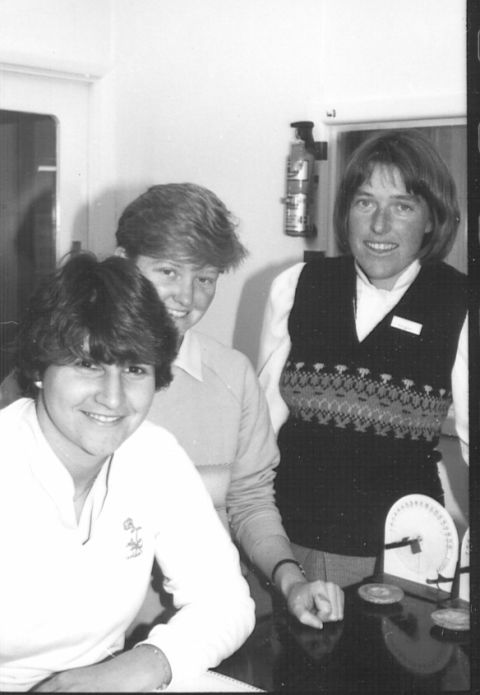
x=364 y=401
x=134 y=543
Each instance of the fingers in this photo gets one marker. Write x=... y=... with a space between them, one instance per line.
x=335 y=597
x=328 y=600
x=314 y=603
x=311 y=620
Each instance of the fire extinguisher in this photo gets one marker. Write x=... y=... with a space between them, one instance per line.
x=302 y=181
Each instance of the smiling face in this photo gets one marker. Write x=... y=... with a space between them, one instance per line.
x=187 y=290
x=86 y=410
x=386 y=226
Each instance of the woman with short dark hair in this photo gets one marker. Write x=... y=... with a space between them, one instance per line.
x=90 y=495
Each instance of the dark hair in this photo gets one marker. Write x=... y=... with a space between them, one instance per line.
x=424 y=174
x=184 y=221
x=105 y=311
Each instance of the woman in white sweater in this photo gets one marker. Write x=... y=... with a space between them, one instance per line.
x=90 y=495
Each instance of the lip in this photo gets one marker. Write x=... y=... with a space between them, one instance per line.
x=380 y=247
x=103 y=420
x=177 y=313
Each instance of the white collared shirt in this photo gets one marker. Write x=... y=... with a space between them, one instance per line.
x=373 y=303
x=189 y=356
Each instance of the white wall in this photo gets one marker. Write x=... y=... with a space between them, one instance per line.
x=62 y=36
x=205 y=91
x=405 y=59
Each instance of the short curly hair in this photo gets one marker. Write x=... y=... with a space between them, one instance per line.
x=181 y=220
x=106 y=311
x=424 y=173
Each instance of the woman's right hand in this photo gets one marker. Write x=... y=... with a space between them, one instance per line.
x=317 y=602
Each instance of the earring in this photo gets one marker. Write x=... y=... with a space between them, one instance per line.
x=38 y=384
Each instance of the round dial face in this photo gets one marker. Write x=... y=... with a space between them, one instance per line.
x=423 y=537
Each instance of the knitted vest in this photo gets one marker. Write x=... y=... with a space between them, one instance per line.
x=365 y=417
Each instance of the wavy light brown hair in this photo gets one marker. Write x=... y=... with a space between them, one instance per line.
x=183 y=221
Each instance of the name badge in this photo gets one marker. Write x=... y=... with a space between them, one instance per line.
x=406 y=325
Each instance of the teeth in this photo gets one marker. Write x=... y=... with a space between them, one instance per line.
x=380 y=246
x=103 y=418
x=177 y=314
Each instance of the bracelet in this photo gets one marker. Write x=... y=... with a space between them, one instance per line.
x=284 y=562
x=156 y=651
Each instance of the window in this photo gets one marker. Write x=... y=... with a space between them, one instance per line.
x=44 y=183
x=27 y=215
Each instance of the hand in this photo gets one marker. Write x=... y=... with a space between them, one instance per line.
x=138 y=670
x=314 y=603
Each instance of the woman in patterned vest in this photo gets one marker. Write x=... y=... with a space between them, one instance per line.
x=362 y=355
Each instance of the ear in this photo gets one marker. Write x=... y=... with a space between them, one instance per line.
x=428 y=226
x=120 y=251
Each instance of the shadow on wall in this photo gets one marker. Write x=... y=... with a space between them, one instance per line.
x=251 y=309
x=102 y=217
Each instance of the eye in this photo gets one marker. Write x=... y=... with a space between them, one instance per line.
x=167 y=272
x=404 y=207
x=363 y=204
x=138 y=369
x=86 y=364
x=206 y=281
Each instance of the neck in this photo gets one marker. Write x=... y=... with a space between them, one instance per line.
x=84 y=483
x=81 y=492
x=82 y=466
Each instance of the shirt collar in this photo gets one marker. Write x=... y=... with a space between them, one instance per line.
x=403 y=281
x=189 y=356
x=57 y=481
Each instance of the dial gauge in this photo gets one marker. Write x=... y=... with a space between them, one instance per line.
x=421 y=542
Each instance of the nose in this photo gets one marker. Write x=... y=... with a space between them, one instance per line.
x=380 y=221
x=111 y=392
x=183 y=293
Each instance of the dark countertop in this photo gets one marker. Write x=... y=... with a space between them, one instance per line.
x=376 y=649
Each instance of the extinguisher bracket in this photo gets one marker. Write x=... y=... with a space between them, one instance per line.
x=320 y=150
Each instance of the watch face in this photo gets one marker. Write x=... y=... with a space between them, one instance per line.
x=421 y=540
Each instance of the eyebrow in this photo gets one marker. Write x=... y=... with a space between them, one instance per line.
x=180 y=263
x=400 y=196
